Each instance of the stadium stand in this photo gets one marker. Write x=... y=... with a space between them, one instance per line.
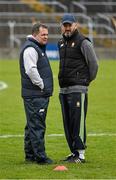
x=96 y=19
x=37 y=6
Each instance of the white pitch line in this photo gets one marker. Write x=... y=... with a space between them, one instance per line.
x=10 y=136
x=58 y=135
x=3 y=85
x=101 y=134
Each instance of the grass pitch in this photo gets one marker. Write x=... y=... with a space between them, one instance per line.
x=101 y=122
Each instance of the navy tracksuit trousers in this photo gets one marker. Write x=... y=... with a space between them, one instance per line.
x=74 y=109
x=36 y=110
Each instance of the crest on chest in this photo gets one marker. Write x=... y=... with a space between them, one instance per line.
x=72 y=44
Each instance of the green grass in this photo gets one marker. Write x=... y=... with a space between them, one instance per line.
x=101 y=118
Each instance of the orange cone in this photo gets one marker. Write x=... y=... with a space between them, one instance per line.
x=60 y=168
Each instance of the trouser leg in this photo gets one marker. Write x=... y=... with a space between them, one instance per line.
x=66 y=119
x=74 y=109
x=27 y=144
x=36 y=110
x=78 y=109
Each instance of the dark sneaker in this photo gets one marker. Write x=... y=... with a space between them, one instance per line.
x=44 y=161
x=69 y=158
x=74 y=158
x=78 y=160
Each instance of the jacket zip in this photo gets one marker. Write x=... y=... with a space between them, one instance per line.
x=64 y=57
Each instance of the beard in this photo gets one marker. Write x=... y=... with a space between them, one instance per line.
x=68 y=34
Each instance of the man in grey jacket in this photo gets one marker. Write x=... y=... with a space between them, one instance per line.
x=78 y=68
x=37 y=87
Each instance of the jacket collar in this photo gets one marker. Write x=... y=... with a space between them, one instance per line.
x=43 y=47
